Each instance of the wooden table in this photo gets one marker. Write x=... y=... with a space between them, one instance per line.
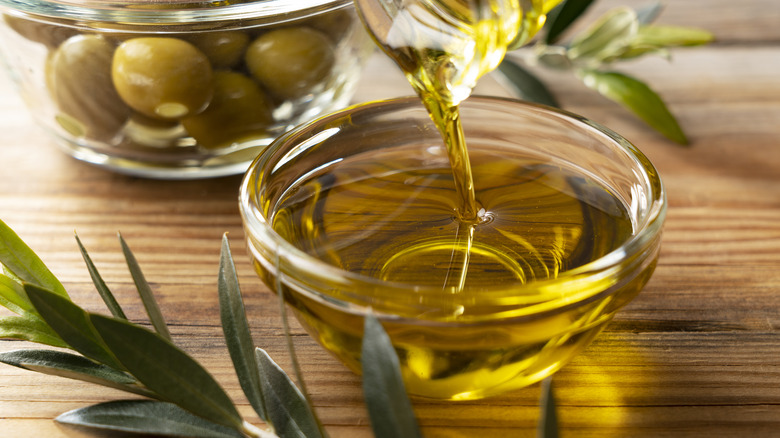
x=696 y=354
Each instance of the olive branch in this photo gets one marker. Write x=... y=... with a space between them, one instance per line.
x=620 y=34
x=181 y=398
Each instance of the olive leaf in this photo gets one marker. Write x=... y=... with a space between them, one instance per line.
x=30 y=329
x=553 y=57
x=10 y=305
x=146 y=417
x=286 y=406
x=671 y=36
x=18 y=259
x=560 y=18
x=388 y=405
x=548 y=421
x=608 y=36
x=166 y=370
x=10 y=274
x=71 y=323
x=620 y=34
x=13 y=297
x=71 y=366
x=526 y=85
x=236 y=330
x=637 y=97
x=100 y=285
x=145 y=291
x=647 y=14
x=658 y=39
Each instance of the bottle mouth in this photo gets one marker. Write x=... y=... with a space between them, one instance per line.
x=525 y=298
x=203 y=15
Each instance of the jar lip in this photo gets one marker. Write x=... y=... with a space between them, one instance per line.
x=134 y=12
x=256 y=226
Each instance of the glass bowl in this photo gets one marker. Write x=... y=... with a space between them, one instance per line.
x=352 y=214
x=179 y=89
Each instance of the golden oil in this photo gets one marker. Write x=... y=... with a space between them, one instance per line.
x=391 y=216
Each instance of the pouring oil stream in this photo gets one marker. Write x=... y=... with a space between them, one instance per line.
x=444 y=47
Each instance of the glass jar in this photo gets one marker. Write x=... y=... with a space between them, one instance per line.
x=179 y=89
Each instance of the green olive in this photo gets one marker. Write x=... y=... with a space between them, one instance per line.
x=78 y=75
x=224 y=49
x=50 y=35
x=239 y=110
x=291 y=62
x=166 y=78
x=334 y=24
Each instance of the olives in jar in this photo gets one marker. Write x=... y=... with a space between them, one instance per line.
x=178 y=88
x=239 y=110
x=78 y=75
x=162 y=77
x=292 y=61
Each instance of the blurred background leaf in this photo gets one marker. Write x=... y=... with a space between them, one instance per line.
x=620 y=34
x=639 y=98
x=560 y=18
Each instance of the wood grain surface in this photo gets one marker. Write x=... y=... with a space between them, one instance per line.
x=697 y=353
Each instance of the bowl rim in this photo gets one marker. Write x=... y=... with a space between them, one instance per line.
x=647 y=232
x=191 y=12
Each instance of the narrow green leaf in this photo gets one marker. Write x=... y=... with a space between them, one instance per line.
x=167 y=370
x=635 y=51
x=388 y=405
x=146 y=417
x=286 y=407
x=71 y=323
x=100 y=285
x=31 y=329
x=560 y=18
x=20 y=260
x=649 y=13
x=145 y=291
x=10 y=305
x=525 y=84
x=236 y=329
x=671 y=36
x=71 y=366
x=13 y=296
x=608 y=36
x=11 y=275
x=637 y=97
x=553 y=57
x=548 y=421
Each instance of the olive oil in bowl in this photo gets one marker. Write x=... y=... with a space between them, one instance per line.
x=357 y=212
x=493 y=239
